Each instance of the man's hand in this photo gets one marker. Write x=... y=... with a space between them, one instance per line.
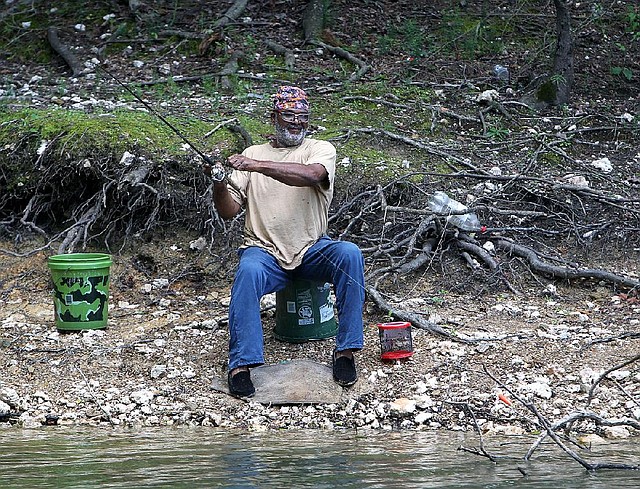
x=240 y=162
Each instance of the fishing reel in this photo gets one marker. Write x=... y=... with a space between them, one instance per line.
x=214 y=170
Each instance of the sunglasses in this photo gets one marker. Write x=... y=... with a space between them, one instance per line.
x=292 y=117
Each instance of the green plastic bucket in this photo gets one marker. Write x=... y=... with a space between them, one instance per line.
x=304 y=312
x=81 y=295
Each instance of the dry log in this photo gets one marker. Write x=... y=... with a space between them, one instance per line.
x=63 y=51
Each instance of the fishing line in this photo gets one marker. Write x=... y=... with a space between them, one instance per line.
x=343 y=271
x=215 y=170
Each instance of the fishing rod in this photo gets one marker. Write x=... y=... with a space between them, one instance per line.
x=212 y=168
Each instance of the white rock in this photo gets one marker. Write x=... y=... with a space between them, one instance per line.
x=29 y=422
x=268 y=300
x=4 y=407
x=159 y=283
x=157 y=371
x=588 y=375
x=616 y=432
x=198 y=244
x=43 y=147
x=577 y=180
x=10 y=396
x=590 y=439
x=137 y=63
x=403 y=406
x=127 y=158
x=80 y=27
x=488 y=96
x=422 y=417
x=619 y=374
x=489 y=246
x=143 y=396
x=421 y=387
x=603 y=164
x=540 y=389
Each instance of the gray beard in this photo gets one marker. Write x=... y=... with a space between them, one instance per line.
x=286 y=138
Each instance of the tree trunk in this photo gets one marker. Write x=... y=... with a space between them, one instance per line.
x=313 y=20
x=563 y=63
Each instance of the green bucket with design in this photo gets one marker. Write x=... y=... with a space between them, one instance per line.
x=304 y=312
x=81 y=295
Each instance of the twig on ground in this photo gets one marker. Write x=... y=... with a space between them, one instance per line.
x=604 y=374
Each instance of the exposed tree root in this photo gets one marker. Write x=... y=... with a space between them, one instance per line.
x=562 y=272
x=287 y=54
x=414 y=319
x=64 y=52
x=231 y=14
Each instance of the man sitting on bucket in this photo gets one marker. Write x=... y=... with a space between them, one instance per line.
x=286 y=187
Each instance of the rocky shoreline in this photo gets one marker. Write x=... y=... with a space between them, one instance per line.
x=155 y=363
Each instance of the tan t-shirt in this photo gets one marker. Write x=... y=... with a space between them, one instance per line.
x=282 y=219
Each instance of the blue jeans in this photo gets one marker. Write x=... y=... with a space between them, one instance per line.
x=337 y=262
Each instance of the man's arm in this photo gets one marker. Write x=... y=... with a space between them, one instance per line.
x=294 y=174
x=226 y=206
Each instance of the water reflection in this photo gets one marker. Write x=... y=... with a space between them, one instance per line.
x=189 y=458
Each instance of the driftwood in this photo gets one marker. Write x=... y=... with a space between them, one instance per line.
x=63 y=51
x=604 y=374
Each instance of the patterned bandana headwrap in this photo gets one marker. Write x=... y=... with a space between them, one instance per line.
x=290 y=98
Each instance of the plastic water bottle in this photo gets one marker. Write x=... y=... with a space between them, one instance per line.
x=501 y=73
x=441 y=203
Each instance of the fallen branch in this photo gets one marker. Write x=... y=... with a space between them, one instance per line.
x=551 y=430
x=482 y=451
x=423 y=146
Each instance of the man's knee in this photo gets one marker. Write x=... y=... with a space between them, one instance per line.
x=349 y=251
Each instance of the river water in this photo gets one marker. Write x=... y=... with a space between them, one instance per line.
x=209 y=458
